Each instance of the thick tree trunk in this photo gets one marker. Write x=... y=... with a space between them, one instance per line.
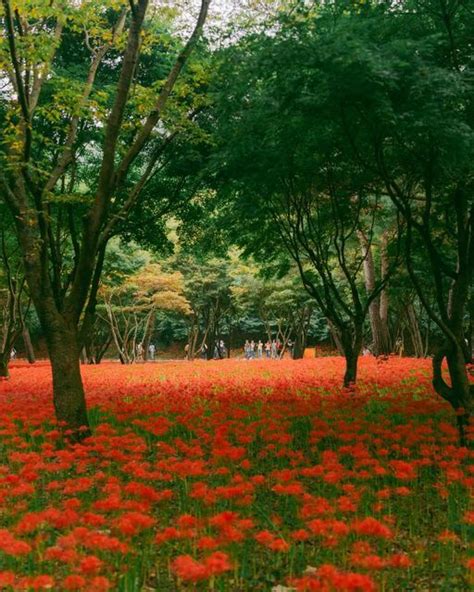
x=30 y=352
x=68 y=391
x=350 y=374
x=352 y=345
x=212 y=342
x=299 y=347
x=4 y=360
x=461 y=390
x=460 y=394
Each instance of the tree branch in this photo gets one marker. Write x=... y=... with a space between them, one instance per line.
x=144 y=134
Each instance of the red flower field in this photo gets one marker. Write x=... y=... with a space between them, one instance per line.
x=235 y=476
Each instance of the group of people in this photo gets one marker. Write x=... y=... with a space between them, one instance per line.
x=271 y=349
x=141 y=352
x=218 y=353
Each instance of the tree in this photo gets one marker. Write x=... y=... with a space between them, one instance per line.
x=130 y=307
x=379 y=105
x=378 y=308
x=14 y=299
x=13 y=307
x=280 y=304
x=208 y=290
x=412 y=126
x=288 y=180
x=51 y=105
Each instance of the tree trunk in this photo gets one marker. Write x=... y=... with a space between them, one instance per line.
x=212 y=333
x=350 y=374
x=335 y=337
x=427 y=337
x=87 y=335
x=383 y=299
x=90 y=353
x=149 y=330
x=4 y=360
x=414 y=329
x=470 y=332
x=352 y=345
x=68 y=391
x=193 y=337
x=30 y=352
x=299 y=345
x=230 y=344
x=378 y=327
x=460 y=393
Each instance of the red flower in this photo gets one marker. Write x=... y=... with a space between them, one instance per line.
x=99 y=584
x=217 y=563
x=188 y=569
x=73 y=582
x=207 y=542
x=7 y=578
x=40 y=582
x=132 y=523
x=400 y=560
x=371 y=527
x=12 y=546
x=90 y=564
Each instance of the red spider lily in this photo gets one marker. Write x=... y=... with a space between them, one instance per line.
x=235 y=474
x=74 y=582
x=12 y=546
x=189 y=569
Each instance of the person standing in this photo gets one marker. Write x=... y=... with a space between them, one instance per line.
x=222 y=349
x=274 y=349
x=151 y=351
x=204 y=351
x=247 y=349
x=268 y=349
x=252 y=350
x=260 y=349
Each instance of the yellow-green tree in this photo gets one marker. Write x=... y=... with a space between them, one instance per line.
x=130 y=307
x=83 y=130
